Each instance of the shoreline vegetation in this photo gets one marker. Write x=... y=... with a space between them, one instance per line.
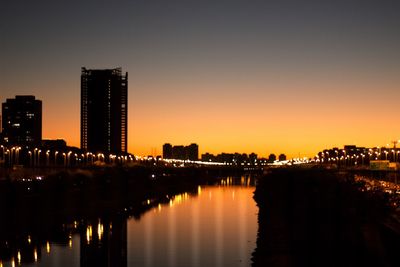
x=323 y=218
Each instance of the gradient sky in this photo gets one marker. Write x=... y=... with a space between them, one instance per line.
x=281 y=76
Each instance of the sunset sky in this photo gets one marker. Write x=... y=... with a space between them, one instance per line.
x=258 y=76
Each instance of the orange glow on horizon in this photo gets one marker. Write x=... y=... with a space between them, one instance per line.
x=294 y=124
x=232 y=77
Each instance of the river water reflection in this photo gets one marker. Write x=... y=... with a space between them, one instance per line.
x=215 y=226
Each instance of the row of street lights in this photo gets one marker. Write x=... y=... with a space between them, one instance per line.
x=11 y=155
x=37 y=157
x=357 y=158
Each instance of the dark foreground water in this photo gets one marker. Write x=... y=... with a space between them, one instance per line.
x=215 y=226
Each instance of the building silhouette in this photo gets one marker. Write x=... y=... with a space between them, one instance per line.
x=104 y=109
x=167 y=151
x=179 y=152
x=22 y=120
x=57 y=144
x=190 y=152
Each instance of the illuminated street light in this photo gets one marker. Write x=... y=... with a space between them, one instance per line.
x=2 y=152
x=47 y=157
x=69 y=158
x=38 y=159
x=65 y=159
x=30 y=158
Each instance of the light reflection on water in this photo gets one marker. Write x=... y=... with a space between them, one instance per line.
x=218 y=227
x=215 y=226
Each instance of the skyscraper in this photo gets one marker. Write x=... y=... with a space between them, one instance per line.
x=104 y=109
x=22 y=120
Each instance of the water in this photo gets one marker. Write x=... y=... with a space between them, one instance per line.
x=216 y=226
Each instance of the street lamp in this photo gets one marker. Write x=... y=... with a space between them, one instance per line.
x=9 y=158
x=30 y=158
x=47 y=157
x=12 y=156
x=100 y=157
x=65 y=159
x=39 y=151
x=69 y=158
x=89 y=157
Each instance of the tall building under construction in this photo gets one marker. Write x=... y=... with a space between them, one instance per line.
x=104 y=109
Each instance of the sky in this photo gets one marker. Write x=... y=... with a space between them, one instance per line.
x=290 y=77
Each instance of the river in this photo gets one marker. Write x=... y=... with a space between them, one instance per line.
x=215 y=226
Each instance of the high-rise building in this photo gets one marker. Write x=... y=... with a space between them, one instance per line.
x=167 y=151
x=179 y=152
x=22 y=120
x=104 y=109
x=190 y=152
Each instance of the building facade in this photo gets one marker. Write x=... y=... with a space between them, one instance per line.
x=104 y=110
x=190 y=152
x=167 y=151
x=22 y=120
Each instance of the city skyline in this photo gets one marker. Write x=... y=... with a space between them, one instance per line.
x=238 y=77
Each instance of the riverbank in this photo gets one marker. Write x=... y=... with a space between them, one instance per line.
x=321 y=218
x=51 y=208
